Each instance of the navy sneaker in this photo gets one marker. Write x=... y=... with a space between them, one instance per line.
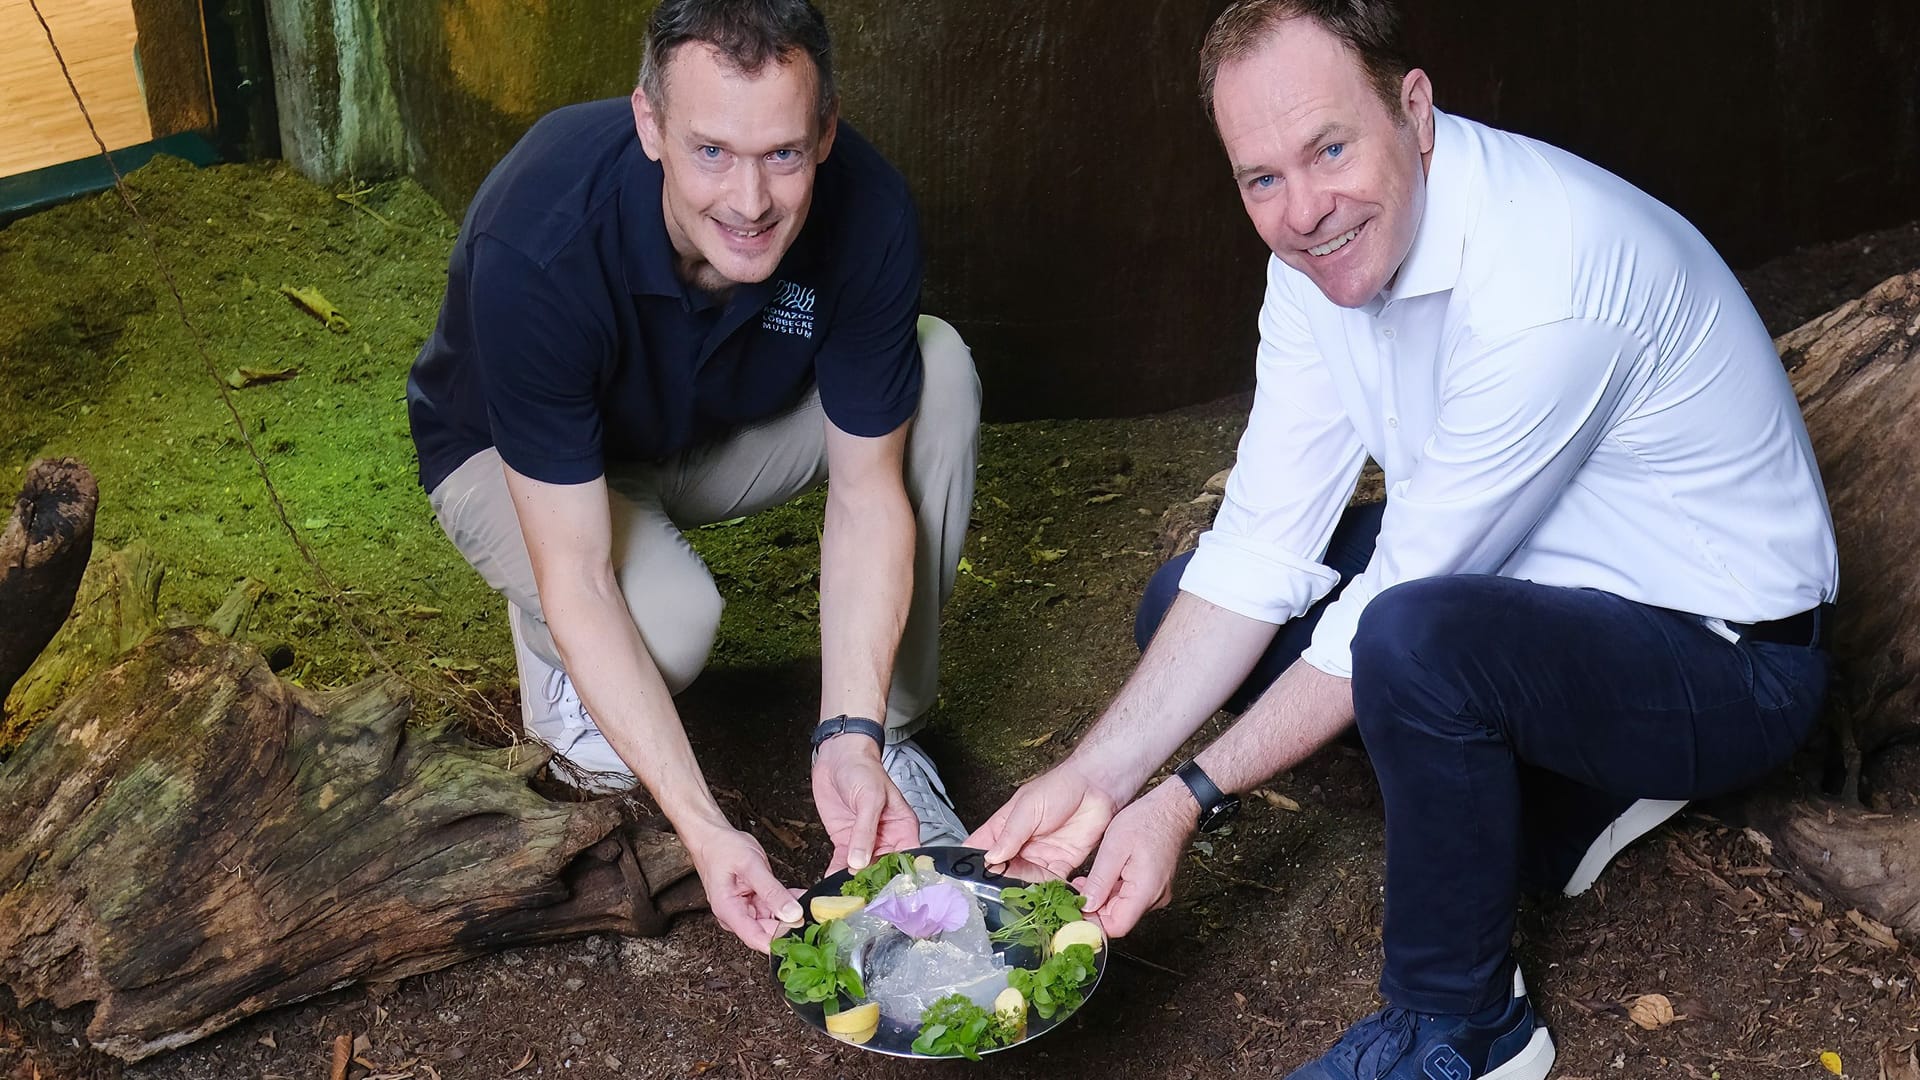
x=1398 y=1044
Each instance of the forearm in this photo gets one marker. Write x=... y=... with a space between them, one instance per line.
x=1199 y=656
x=1302 y=711
x=866 y=583
x=628 y=699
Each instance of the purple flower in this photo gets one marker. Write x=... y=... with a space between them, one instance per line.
x=923 y=913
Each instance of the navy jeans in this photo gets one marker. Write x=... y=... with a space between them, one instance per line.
x=1499 y=713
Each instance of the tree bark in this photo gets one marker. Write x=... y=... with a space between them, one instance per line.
x=43 y=553
x=191 y=840
x=1858 y=381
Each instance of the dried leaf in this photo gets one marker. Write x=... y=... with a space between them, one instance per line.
x=1106 y=498
x=1899 y=1063
x=1277 y=800
x=1651 y=1011
x=268 y=1041
x=1832 y=1061
x=242 y=377
x=783 y=834
x=1880 y=933
x=1039 y=740
x=309 y=300
x=524 y=1062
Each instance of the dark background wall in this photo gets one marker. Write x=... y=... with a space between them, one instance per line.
x=1081 y=230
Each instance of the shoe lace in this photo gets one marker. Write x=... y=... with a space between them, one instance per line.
x=1372 y=1047
x=565 y=701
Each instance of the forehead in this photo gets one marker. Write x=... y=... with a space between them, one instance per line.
x=1298 y=80
x=707 y=92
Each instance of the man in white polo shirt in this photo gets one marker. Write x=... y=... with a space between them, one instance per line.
x=1596 y=587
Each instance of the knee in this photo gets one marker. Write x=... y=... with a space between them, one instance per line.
x=1408 y=648
x=678 y=622
x=1160 y=593
x=950 y=386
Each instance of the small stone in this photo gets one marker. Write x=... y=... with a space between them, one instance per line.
x=575 y=983
x=576 y=1038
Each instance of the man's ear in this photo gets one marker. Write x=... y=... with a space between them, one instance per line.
x=1416 y=99
x=647 y=120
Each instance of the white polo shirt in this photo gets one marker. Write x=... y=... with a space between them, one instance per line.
x=1563 y=383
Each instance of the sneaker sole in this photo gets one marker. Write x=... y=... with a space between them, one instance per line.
x=1531 y=1063
x=1640 y=819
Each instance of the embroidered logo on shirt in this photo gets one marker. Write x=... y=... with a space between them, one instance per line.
x=790 y=311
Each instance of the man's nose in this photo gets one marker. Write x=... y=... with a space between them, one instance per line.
x=751 y=198
x=1307 y=206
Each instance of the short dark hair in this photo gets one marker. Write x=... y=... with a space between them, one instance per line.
x=1371 y=28
x=748 y=33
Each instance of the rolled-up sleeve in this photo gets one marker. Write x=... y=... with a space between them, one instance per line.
x=1291 y=479
x=1517 y=419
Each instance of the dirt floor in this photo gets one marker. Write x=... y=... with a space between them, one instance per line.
x=1272 y=944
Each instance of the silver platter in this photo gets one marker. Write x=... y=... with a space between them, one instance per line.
x=968 y=868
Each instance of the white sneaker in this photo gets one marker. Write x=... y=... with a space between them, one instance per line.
x=1641 y=818
x=913 y=773
x=553 y=714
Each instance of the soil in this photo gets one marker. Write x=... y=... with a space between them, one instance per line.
x=1272 y=943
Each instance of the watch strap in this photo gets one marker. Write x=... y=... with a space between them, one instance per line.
x=848 y=725
x=1216 y=806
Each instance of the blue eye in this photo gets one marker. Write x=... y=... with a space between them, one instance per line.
x=709 y=153
x=1336 y=150
x=1261 y=183
x=784 y=155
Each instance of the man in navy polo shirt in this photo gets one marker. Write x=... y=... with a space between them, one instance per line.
x=677 y=310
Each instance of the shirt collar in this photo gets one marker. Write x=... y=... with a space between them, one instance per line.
x=1433 y=263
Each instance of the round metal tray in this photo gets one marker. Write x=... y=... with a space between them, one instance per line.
x=968 y=868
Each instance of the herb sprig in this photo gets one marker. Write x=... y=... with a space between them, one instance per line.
x=810 y=966
x=954 y=1025
x=1043 y=908
x=1057 y=985
x=867 y=883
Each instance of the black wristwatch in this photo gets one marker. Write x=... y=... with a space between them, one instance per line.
x=1217 y=808
x=848 y=725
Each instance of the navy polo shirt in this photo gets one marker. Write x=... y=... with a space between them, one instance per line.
x=567 y=340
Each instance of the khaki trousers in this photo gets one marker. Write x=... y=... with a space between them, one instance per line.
x=668 y=590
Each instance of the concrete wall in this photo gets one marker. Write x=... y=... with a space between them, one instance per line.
x=1081 y=230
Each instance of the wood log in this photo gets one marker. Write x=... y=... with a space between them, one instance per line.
x=1856 y=375
x=43 y=554
x=193 y=840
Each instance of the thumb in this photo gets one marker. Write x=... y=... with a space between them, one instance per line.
x=1098 y=885
x=769 y=895
x=866 y=825
x=1022 y=821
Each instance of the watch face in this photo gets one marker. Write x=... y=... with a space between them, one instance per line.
x=1219 y=814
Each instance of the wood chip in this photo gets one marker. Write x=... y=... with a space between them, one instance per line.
x=1878 y=932
x=524 y=1062
x=783 y=834
x=1040 y=740
x=1277 y=800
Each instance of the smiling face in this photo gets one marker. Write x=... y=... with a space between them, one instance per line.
x=1335 y=182
x=739 y=152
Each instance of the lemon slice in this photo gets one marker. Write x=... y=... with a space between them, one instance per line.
x=855 y=1025
x=1083 y=932
x=1011 y=1005
x=829 y=908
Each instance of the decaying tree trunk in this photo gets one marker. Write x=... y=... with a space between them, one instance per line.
x=1857 y=373
x=189 y=840
x=43 y=554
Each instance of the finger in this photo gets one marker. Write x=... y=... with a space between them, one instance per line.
x=899 y=826
x=768 y=898
x=984 y=836
x=1022 y=821
x=838 y=862
x=732 y=913
x=1109 y=869
x=866 y=825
